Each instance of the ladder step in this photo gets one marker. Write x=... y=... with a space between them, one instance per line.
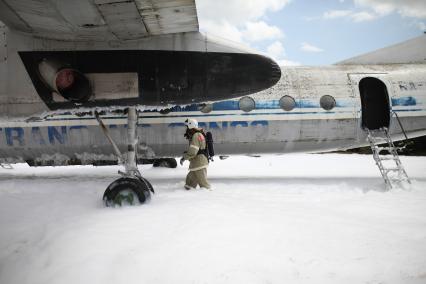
x=384 y=139
x=388 y=148
x=392 y=170
x=388 y=158
x=383 y=148
x=399 y=178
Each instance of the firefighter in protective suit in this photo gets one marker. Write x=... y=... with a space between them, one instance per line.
x=196 y=156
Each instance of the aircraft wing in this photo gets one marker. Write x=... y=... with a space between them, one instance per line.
x=99 y=19
x=410 y=51
x=101 y=53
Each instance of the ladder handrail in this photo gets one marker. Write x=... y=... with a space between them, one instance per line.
x=400 y=124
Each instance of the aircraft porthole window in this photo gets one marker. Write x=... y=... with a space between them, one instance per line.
x=246 y=104
x=287 y=103
x=327 y=102
x=206 y=108
x=165 y=111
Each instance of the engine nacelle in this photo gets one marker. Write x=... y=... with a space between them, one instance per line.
x=102 y=78
x=64 y=80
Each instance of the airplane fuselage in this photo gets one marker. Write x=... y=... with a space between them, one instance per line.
x=310 y=109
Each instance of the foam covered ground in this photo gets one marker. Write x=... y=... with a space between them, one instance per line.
x=322 y=218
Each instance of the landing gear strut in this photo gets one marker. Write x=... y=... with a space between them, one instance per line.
x=131 y=188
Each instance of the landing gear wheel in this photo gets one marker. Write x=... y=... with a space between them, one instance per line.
x=165 y=163
x=132 y=188
x=128 y=190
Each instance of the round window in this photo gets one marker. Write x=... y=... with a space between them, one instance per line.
x=165 y=111
x=287 y=103
x=246 y=104
x=327 y=102
x=206 y=108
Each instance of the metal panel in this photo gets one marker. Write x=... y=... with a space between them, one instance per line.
x=85 y=20
x=3 y=43
x=40 y=15
x=162 y=17
x=123 y=19
x=114 y=85
x=80 y=13
x=3 y=63
x=9 y=16
x=64 y=20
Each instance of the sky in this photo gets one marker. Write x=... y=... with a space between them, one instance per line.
x=314 y=32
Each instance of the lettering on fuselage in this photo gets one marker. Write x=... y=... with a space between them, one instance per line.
x=411 y=86
x=59 y=135
x=56 y=135
x=224 y=124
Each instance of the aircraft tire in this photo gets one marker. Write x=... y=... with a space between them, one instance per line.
x=125 y=189
x=165 y=163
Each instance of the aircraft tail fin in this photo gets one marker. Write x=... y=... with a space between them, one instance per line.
x=410 y=51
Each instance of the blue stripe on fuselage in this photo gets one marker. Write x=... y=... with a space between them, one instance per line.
x=275 y=104
x=404 y=101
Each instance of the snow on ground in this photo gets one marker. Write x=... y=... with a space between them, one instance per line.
x=275 y=219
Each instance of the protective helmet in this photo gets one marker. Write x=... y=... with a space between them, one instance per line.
x=191 y=123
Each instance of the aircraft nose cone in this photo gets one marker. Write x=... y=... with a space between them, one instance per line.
x=259 y=73
x=235 y=75
x=275 y=73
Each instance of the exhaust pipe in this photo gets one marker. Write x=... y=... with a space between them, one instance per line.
x=68 y=82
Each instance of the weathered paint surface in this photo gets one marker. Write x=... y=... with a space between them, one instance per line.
x=266 y=129
x=87 y=143
x=110 y=85
x=100 y=19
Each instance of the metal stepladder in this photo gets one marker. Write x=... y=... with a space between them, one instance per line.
x=390 y=166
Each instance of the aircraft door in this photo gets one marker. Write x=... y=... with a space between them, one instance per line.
x=374 y=102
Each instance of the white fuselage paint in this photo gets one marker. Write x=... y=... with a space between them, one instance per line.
x=61 y=137
x=266 y=129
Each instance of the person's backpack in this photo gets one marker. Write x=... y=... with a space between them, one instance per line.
x=209 y=150
x=209 y=145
